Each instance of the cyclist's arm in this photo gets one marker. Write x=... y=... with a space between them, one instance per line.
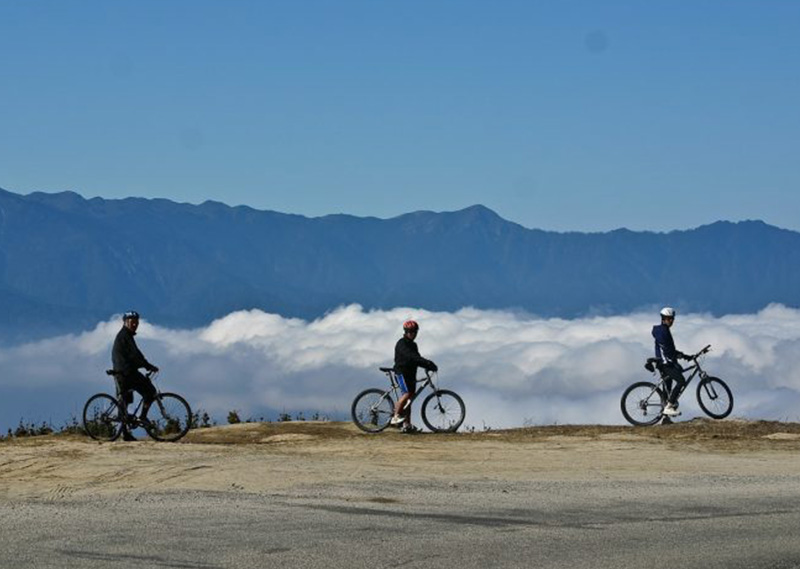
x=135 y=356
x=408 y=356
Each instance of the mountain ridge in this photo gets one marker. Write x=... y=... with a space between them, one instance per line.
x=184 y=264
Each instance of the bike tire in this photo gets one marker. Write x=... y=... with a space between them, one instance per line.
x=443 y=411
x=642 y=404
x=170 y=417
x=715 y=397
x=102 y=418
x=372 y=410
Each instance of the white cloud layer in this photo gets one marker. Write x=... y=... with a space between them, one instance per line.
x=511 y=369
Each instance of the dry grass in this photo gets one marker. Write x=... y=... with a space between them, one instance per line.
x=732 y=434
x=287 y=431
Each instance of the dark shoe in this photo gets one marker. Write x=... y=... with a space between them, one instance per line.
x=128 y=437
x=145 y=423
x=409 y=430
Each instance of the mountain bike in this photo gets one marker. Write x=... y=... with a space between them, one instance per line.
x=643 y=402
x=443 y=411
x=168 y=419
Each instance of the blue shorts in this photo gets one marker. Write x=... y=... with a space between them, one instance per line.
x=409 y=387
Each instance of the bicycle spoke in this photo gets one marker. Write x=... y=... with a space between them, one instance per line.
x=372 y=409
x=642 y=403
x=170 y=417
x=443 y=411
x=715 y=398
x=102 y=419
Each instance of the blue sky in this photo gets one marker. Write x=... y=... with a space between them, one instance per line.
x=569 y=115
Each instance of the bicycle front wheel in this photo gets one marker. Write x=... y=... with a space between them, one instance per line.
x=102 y=418
x=170 y=417
x=372 y=410
x=642 y=404
x=715 y=398
x=443 y=411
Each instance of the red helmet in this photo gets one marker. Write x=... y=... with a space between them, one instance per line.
x=410 y=326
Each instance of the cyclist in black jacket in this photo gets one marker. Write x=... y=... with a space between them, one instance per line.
x=127 y=360
x=406 y=362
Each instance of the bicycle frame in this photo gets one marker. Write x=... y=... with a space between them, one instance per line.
x=397 y=392
x=127 y=419
x=694 y=368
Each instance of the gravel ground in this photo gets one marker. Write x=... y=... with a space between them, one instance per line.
x=621 y=499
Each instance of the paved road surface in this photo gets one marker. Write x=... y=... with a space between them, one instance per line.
x=720 y=521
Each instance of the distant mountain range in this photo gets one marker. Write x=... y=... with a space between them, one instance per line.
x=67 y=262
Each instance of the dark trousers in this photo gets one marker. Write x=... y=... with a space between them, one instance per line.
x=136 y=381
x=673 y=373
x=126 y=385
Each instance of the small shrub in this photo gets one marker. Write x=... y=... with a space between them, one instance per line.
x=233 y=417
x=72 y=427
x=201 y=420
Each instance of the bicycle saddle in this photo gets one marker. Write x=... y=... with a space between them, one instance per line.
x=386 y=369
x=652 y=364
x=113 y=372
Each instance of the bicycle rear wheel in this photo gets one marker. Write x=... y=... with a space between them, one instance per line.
x=443 y=411
x=372 y=410
x=642 y=404
x=102 y=418
x=715 y=398
x=170 y=417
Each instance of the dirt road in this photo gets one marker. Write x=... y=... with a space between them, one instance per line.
x=239 y=495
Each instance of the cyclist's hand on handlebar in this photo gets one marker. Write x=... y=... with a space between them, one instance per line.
x=433 y=367
x=152 y=368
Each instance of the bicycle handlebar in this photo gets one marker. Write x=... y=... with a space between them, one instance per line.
x=701 y=352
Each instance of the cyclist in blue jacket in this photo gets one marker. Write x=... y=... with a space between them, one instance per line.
x=668 y=356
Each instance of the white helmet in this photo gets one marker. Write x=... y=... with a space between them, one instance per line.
x=668 y=312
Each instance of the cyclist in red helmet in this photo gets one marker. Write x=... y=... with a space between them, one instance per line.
x=406 y=362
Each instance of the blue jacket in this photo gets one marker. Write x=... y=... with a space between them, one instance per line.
x=665 y=345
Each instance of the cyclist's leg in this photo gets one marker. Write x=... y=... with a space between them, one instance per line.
x=411 y=386
x=144 y=387
x=667 y=381
x=125 y=397
x=675 y=374
x=404 y=397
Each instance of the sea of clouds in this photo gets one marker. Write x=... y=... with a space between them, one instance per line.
x=511 y=369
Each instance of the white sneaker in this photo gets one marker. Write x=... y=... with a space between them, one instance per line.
x=670 y=410
x=396 y=421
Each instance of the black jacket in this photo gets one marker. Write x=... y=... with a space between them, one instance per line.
x=407 y=359
x=125 y=354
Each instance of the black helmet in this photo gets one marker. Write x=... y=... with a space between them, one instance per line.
x=130 y=315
